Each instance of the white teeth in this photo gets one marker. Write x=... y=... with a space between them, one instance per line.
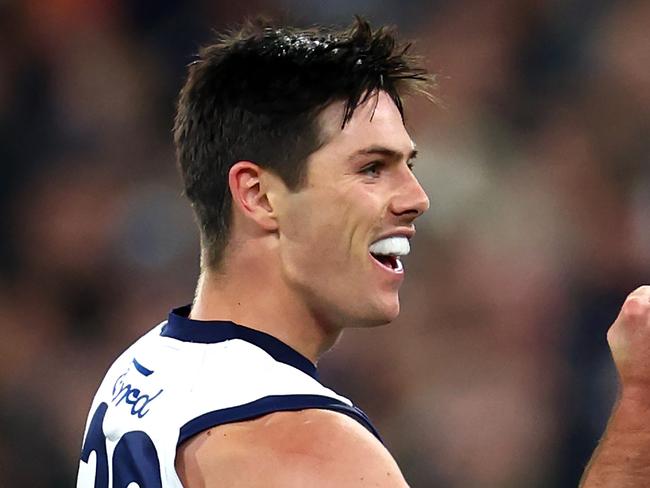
x=391 y=246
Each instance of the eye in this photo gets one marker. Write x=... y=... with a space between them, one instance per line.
x=410 y=165
x=373 y=169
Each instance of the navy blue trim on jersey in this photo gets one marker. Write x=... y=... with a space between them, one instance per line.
x=180 y=326
x=270 y=404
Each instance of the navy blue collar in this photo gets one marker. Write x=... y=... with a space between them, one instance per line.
x=180 y=326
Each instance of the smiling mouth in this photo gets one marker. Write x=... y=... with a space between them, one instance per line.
x=388 y=251
x=392 y=263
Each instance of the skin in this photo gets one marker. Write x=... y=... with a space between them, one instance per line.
x=298 y=267
x=622 y=459
x=315 y=448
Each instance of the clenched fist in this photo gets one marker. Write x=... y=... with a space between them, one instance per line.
x=623 y=454
x=629 y=340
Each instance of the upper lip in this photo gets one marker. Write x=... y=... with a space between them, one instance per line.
x=407 y=232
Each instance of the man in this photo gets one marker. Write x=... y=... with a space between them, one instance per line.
x=295 y=157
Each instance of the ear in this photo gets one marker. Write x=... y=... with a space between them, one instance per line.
x=248 y=187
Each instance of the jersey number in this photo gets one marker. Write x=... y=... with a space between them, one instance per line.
x=134 y=460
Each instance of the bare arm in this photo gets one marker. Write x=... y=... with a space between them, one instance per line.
x=622 y=459
x=315 y=448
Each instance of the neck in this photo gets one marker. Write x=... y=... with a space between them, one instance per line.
x=250 y=292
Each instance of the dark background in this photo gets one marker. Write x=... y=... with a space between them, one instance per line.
x=497 y=373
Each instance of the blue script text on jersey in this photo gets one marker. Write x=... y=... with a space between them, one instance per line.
x=123 y=391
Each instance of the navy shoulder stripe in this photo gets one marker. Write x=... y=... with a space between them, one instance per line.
x=271 y=404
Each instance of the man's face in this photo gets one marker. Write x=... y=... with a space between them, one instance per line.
x=360 y=189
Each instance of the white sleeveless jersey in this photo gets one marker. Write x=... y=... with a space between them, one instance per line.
x=181 y=378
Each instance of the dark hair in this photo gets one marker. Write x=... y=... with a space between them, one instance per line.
x=256 y=95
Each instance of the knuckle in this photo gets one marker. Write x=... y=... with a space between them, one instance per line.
x=643 y=290
x=634 y=307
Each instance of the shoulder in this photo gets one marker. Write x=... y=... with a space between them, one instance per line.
x=315 y=448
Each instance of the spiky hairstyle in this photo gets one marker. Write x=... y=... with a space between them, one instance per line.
x=256 y=95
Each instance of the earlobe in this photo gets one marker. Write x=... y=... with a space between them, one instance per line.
x=249 y=191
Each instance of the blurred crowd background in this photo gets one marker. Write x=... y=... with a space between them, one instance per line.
x=496 y=375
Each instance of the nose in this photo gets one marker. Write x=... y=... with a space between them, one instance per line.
x=410 y=199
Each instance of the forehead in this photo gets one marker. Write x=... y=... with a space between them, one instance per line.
x=375 y=122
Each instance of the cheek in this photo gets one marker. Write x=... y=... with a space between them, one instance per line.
x=323 y=233
x=326 y=231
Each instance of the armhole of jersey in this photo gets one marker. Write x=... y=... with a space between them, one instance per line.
x=271 y=404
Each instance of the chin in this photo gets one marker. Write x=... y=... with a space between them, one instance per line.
x=382 y=314
x=358 y=312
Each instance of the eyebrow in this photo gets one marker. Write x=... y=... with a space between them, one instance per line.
x=384 y=151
